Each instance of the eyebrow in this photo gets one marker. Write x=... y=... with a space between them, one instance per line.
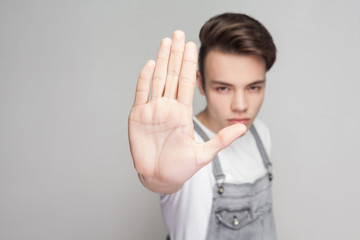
x=228 y=84
x=257 y=82
x=220 y=82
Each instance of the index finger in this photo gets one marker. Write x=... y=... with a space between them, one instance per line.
x=188 y=74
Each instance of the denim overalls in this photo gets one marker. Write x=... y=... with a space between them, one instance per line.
x=241 y=211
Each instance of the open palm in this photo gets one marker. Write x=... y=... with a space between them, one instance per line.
x=161 y=132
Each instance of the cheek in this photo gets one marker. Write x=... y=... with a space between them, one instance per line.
x=257 y=101
x=218 y=102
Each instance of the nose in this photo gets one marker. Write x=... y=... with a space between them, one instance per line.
x=239 y=102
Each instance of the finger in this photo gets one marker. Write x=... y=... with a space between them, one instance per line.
x=188 y=75
x=143 y=84
x=223 y=139
x=173 y=71
x=161 y=66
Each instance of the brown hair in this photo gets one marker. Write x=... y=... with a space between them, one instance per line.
x=238 y=34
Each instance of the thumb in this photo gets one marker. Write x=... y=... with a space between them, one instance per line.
x=223 y=139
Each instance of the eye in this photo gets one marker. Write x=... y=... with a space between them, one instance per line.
x=254 y=88
x=222 y=89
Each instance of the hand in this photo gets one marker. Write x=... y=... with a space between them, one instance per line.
x=161 y=132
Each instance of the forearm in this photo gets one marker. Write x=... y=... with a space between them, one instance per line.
x=157 y=186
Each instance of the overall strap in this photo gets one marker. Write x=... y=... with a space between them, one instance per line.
x=262 y=151
x=218 y=173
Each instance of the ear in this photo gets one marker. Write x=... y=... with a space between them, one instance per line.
x=199 y=83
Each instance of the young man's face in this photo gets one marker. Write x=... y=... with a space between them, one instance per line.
x=234 y=89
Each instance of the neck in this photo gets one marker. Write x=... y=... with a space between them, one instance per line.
x=203 y=117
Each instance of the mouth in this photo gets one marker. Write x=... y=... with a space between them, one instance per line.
x=244 y=121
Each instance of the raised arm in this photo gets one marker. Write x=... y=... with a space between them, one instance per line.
x=161 y=133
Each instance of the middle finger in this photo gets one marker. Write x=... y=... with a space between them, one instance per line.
x=175 y=61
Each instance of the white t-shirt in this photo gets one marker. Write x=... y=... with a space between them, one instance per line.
x=186 y=212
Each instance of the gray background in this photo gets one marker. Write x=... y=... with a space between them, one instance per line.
x=67 y=77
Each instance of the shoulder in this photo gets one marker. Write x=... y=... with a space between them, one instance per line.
x=260 y=125
x=264 y=134
x=203 y=129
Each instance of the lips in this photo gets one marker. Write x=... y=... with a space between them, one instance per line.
x=244 y=121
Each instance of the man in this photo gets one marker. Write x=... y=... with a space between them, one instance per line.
x=231 y=197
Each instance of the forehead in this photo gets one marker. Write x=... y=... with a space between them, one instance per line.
x=234 y=68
